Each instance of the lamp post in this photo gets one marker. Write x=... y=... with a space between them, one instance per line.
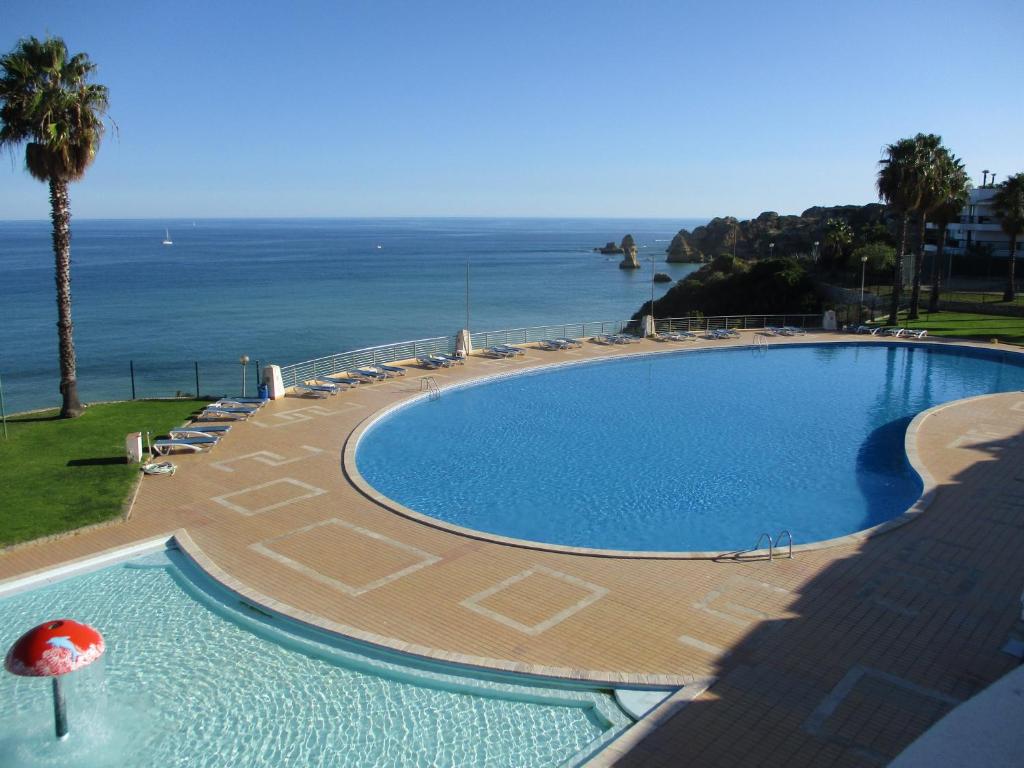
x=816 y=243
x=771 y=250
x=863 y=268
x=244 y=360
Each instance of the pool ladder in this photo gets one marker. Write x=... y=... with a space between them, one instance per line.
x=433 y=391
x=773 y=544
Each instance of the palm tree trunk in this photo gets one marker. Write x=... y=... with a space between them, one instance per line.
x=1010 y=294
x=915 y=291
x=933 y=302
x=897 y=275
x=60 y=213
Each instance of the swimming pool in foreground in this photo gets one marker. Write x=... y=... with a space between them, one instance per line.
x=691 y=451
x=193 y=678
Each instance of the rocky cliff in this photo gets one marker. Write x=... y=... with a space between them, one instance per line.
x=791 y=235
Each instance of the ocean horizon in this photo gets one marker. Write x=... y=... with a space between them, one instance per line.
x=284 y=290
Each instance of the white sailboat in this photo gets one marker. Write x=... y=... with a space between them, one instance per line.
x=167 y=237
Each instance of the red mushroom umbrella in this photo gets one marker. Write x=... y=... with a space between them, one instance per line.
x=52 y=649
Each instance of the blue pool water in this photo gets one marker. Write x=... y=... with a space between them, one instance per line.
x=189 y=680
x=690 y=451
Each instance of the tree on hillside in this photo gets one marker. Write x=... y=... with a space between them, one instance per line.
x=955 y=193
x=47 y=103
x=1008 y=204
x=899 y=186
x=838 y=236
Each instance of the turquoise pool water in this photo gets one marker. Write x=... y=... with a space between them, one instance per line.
x=688 y=451
x=189 y=680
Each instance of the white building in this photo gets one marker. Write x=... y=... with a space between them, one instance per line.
x=978 y=226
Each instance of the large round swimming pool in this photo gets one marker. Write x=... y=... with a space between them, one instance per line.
x=689 y=451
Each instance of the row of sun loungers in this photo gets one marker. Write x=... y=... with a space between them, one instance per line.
x=560 y=344
x=201 y=436
x=905 y=333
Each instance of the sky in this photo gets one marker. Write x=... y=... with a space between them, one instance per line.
x=650 y=108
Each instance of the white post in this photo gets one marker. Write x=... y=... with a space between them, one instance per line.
x=275 y=384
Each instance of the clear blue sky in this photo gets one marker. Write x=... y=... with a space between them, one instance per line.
x=518 y=108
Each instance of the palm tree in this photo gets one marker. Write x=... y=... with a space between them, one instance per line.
x=956 y=193
x=1008 y=205
x=931 y=158
x=898 y=185
x=838 y=236
x=47 y=104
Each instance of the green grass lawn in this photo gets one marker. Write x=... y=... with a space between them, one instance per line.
x=61 y=474
x=1009 y=330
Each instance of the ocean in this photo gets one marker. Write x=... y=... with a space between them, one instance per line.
x=288 y=290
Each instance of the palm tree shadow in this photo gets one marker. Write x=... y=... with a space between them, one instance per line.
x=98 y=462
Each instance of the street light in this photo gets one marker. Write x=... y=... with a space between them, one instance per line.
x=771 y=250
x=816 y=251
x=244 y=360
x=860 y=307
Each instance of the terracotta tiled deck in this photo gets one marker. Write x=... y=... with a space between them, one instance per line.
x=840 y=656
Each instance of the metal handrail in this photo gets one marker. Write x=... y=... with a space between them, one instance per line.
x=778 y=541
x=771 y=545
x=428 y=383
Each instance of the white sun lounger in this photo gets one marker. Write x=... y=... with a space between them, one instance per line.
x=199 y=430
x=193 y=444
x=213 y=412
x=317 y=390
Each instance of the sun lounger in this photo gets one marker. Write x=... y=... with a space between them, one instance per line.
x=213 y=412
x=193 y=444
x=341 y=381
x=498 y=352
x=429 y=362
x=916 y=334
x=391 y=370
x=366 y=375
x=212 y=429
x=772 y=330
x=679 y=336
x=623 y=338
x=252 y=402
x=197 y=430
x=895 y=332
x=450 y=359
x=318 y=390
x=229 y=402
x=724 y=333
x=570 y=342
x=229 y=406
x=792 y=330
x=863 y=329
x=513 y=351
x=552 y=344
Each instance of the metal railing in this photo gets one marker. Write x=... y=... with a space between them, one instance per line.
x=485 y=339
x=734 y=322
x=407 y=350
x=361 y=358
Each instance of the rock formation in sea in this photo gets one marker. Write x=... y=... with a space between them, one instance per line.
x=661 y=277
x=629 y=260
x=609 y=248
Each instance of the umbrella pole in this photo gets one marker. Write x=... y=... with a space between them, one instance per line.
x=60 y=711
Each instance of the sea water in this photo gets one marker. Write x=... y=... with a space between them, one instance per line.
x=284 y=291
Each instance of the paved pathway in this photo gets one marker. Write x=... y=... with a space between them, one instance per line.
x=839 y=656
